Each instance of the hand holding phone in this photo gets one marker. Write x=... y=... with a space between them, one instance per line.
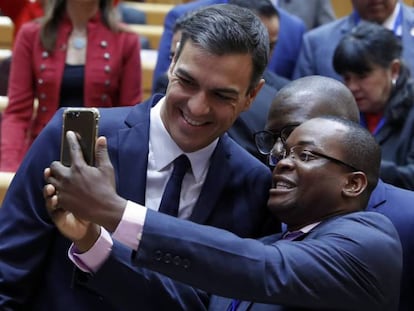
x=84 y=122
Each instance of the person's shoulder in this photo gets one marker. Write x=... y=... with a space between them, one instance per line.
x=291 y=20
x=30 y=27
x=324 y=30
x=240 y=158
x=408 y=11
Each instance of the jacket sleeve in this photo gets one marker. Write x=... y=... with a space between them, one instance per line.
x=155 y=291
x=26 y=231
x=16 y=119
x=346 y=264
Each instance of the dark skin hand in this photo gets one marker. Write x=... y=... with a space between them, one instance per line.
x=79 y=198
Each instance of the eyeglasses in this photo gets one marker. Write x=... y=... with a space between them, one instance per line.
x=265 y=140
x=304 y=155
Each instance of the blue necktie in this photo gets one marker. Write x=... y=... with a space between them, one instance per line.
x=171 y=198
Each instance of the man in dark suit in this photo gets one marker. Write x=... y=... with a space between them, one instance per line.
x=283 y=59
x=334 y=255
x=318 y=45
x=253 y=119
x=315 y=96
x=215 y=76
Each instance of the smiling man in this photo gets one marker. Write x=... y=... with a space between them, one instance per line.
x=335 y=256
x=215 y=75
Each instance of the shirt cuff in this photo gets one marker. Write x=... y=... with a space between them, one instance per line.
x=93 y=259
x=129 y=230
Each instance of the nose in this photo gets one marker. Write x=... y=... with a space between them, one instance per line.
x=352 y=84
x=198 y=104
x=285 y=164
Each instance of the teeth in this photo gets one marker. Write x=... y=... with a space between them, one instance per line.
x=192 y=122
x=284 y=185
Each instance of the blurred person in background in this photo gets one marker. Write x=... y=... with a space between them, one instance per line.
x=369 y=59
x=78 y=54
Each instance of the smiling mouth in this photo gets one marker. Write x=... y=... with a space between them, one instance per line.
x=192 y=122
x=283 y=185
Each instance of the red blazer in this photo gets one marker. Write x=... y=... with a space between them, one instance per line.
x=112 y=78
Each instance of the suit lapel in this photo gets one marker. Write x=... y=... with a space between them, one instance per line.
x=215 y=182
x=132 y=152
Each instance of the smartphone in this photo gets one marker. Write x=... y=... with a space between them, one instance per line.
x=84 y=122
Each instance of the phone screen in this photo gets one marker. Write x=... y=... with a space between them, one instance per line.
x=84 y=122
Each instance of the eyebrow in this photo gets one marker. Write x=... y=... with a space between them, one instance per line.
x=228 y=90
x=304 y=143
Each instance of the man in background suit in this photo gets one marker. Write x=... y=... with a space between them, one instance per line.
x=314 y=13
x=215 y=75
x=335 y=256
x=287 y=48
x=318 y=45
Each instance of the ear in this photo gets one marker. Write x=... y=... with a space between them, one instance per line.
x=356 y=183
x=253 y=93
x=395 y=69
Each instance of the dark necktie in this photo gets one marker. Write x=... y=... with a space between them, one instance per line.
x=171 y=198
x=290 y=236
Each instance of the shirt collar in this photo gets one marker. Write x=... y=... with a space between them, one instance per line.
x=164 y=149
x=393 y=23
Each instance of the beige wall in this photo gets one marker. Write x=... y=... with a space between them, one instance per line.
x=344 y=7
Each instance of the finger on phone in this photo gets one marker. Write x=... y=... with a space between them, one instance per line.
x=75 y=148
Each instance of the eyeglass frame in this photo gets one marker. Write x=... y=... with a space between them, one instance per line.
x=275 y=136
x=313 y=153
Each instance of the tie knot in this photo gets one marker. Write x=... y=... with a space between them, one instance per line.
x=181 y=165
x=292 y=235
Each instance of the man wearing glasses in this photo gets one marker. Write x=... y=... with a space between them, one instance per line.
x=333 y=256
x=314 y=96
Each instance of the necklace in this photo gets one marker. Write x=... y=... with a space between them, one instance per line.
x=79 y=43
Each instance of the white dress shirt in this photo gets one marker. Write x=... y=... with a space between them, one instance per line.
x=162 y=152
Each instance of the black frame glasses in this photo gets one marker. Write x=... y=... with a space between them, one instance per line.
x=303 y=154
x=265 y=140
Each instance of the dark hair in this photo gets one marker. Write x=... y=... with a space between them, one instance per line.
x=360 y=149
x=259 y=7
x=54 y=11
x=366 y=45
x=228 y=29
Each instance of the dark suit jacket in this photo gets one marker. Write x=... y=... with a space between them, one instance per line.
x=319 y=44
x=398 y=205
x=284 y=57
x=35 y=272
x=350 y=262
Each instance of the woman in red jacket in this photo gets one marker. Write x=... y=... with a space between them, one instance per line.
x=77 y=55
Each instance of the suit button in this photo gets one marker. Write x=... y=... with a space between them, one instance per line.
x=167 y=258
x=177 y=260
x=186 y=263
x=43 y=109
x=106 y=55
x=42 y=96
x=107 y=68
x=158 y=255
x=45 y=54
x=104 y=98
